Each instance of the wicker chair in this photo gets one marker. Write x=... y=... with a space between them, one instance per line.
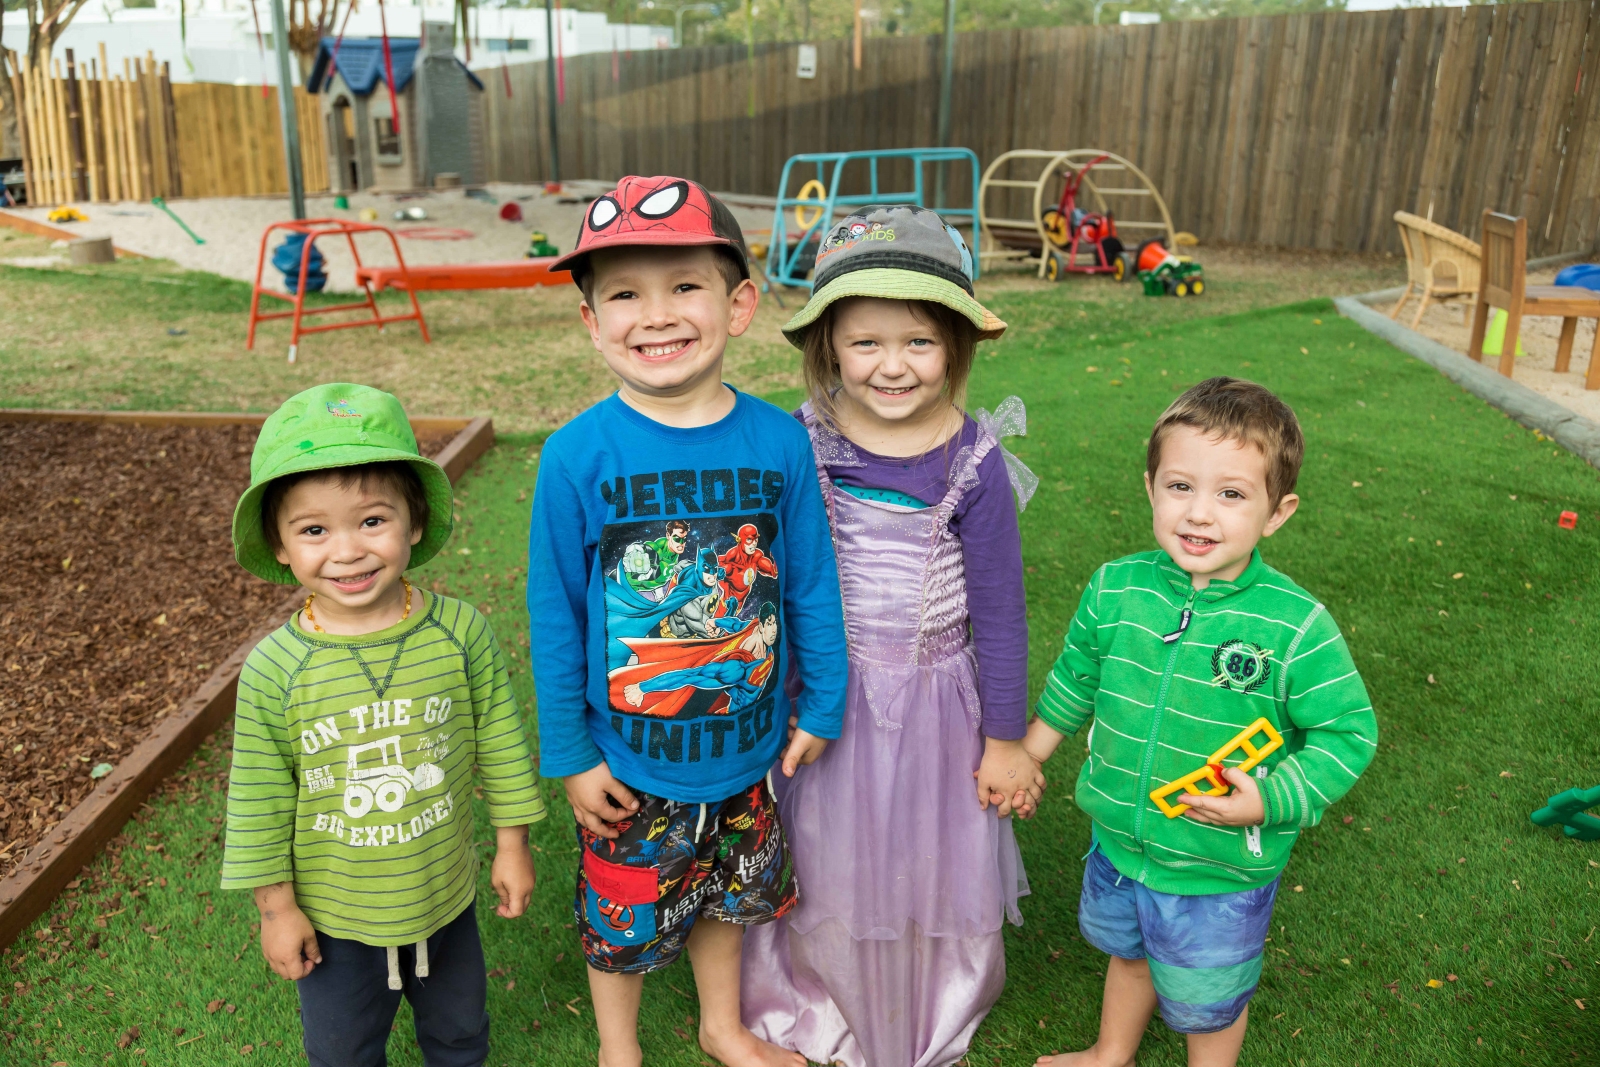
x=1439 y=262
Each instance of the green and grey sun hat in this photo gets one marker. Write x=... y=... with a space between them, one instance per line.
x=894 y=252
x=325 y=427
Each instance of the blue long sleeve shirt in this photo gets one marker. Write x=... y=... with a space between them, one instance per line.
x=672 y=576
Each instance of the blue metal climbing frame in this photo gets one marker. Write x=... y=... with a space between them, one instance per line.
x=792 y=250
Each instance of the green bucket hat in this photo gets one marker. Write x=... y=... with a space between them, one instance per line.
x=894 y=252
x=326 y=427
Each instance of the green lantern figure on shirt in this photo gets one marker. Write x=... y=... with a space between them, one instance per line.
x=650 y=565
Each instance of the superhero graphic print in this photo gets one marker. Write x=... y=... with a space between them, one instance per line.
x=638 y=895
x=693 y=620
x=692 y=623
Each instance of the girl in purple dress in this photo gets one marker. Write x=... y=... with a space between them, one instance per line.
x=901 y=836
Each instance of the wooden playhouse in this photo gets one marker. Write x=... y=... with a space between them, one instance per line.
x=440 y=125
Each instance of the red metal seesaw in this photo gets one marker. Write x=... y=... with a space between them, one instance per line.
x=313 y=229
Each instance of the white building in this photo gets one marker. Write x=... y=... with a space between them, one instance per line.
x=223 y=45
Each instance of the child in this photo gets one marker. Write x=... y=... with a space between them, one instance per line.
x=678 y=564
x=358 y=725
x=895 y=953
x=1175 y=652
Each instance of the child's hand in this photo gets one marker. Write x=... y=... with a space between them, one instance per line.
x=512 y=873
x=598 y=800
x=1008 y=775
x=803 y=748
x=1041 y=741
x=1023 y=805
x=287 y=939
x=1242 y=807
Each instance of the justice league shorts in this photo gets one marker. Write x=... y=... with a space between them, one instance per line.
x=640 y=893
x=1204 y=951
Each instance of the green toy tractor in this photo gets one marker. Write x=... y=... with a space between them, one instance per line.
x=539 y=246
x=1174 y=277
x=1165 y=274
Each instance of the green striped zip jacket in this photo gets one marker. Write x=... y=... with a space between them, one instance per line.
x=352 y=770
x=1171 y=674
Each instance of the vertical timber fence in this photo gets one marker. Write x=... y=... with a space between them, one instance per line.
x=1302 y=131
x=91 y=134
x=230 y=140
x=1293 y=130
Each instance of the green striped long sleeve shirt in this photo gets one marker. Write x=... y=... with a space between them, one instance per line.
x=1165 y=696
x=352 y=770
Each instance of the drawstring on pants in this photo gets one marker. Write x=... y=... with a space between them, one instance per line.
x=393 y=952
x=700 y=825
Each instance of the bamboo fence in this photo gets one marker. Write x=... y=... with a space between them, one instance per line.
x=92 y=134
x=230 y=140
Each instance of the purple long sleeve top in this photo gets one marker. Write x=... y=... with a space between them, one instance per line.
x=985 y=520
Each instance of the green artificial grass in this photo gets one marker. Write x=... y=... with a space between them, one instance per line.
x=1428 y=526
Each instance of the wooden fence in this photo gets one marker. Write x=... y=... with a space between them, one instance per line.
x=90 y=134
x=1298 y=130
x=230 y=140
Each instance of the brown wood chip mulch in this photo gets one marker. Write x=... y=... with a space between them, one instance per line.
x=118 y=595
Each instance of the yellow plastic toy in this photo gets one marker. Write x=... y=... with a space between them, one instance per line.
x=1211 y=773
x=72 y=214
x=811 y=190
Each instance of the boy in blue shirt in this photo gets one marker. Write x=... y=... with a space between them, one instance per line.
x=661 y=697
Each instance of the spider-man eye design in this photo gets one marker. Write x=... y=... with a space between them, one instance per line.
x=663 y=202
x=604 y=213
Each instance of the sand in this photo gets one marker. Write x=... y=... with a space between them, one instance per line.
x=1451 y=325
x=232 y=228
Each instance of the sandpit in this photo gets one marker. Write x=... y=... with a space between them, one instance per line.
x=1451 y=325
x=232 y=227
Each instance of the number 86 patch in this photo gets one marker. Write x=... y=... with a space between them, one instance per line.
x=1240 y=665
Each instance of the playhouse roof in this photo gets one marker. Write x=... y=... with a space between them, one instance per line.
x=361 y=63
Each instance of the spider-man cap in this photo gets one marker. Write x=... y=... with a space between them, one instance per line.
x=662 y=210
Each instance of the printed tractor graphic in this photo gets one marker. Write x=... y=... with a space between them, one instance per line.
x=386 y=783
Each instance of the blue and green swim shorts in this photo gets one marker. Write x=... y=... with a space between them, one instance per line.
x=1204 y=951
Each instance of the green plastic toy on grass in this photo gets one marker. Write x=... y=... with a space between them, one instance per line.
x=1163 y=273
x=1174 y=277
x=1567 y=811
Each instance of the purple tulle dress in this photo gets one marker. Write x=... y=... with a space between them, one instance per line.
x=895 y=952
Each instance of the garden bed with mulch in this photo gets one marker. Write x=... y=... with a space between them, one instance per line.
x=119 y=595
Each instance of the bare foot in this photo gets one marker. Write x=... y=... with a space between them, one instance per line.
x=1089 y=1057
x=741 y=1048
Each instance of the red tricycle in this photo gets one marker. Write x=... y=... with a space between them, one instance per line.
x=1078 y=233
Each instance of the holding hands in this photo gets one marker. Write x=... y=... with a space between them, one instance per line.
x=1009 y=778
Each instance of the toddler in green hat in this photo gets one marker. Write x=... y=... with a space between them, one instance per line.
x=358 y=725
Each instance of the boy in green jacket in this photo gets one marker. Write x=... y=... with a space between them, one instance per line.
x=1175 y=653
x=358 y=726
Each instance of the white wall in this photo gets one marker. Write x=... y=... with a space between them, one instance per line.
x=222 y=44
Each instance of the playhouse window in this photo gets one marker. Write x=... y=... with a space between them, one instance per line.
x=388 y=140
